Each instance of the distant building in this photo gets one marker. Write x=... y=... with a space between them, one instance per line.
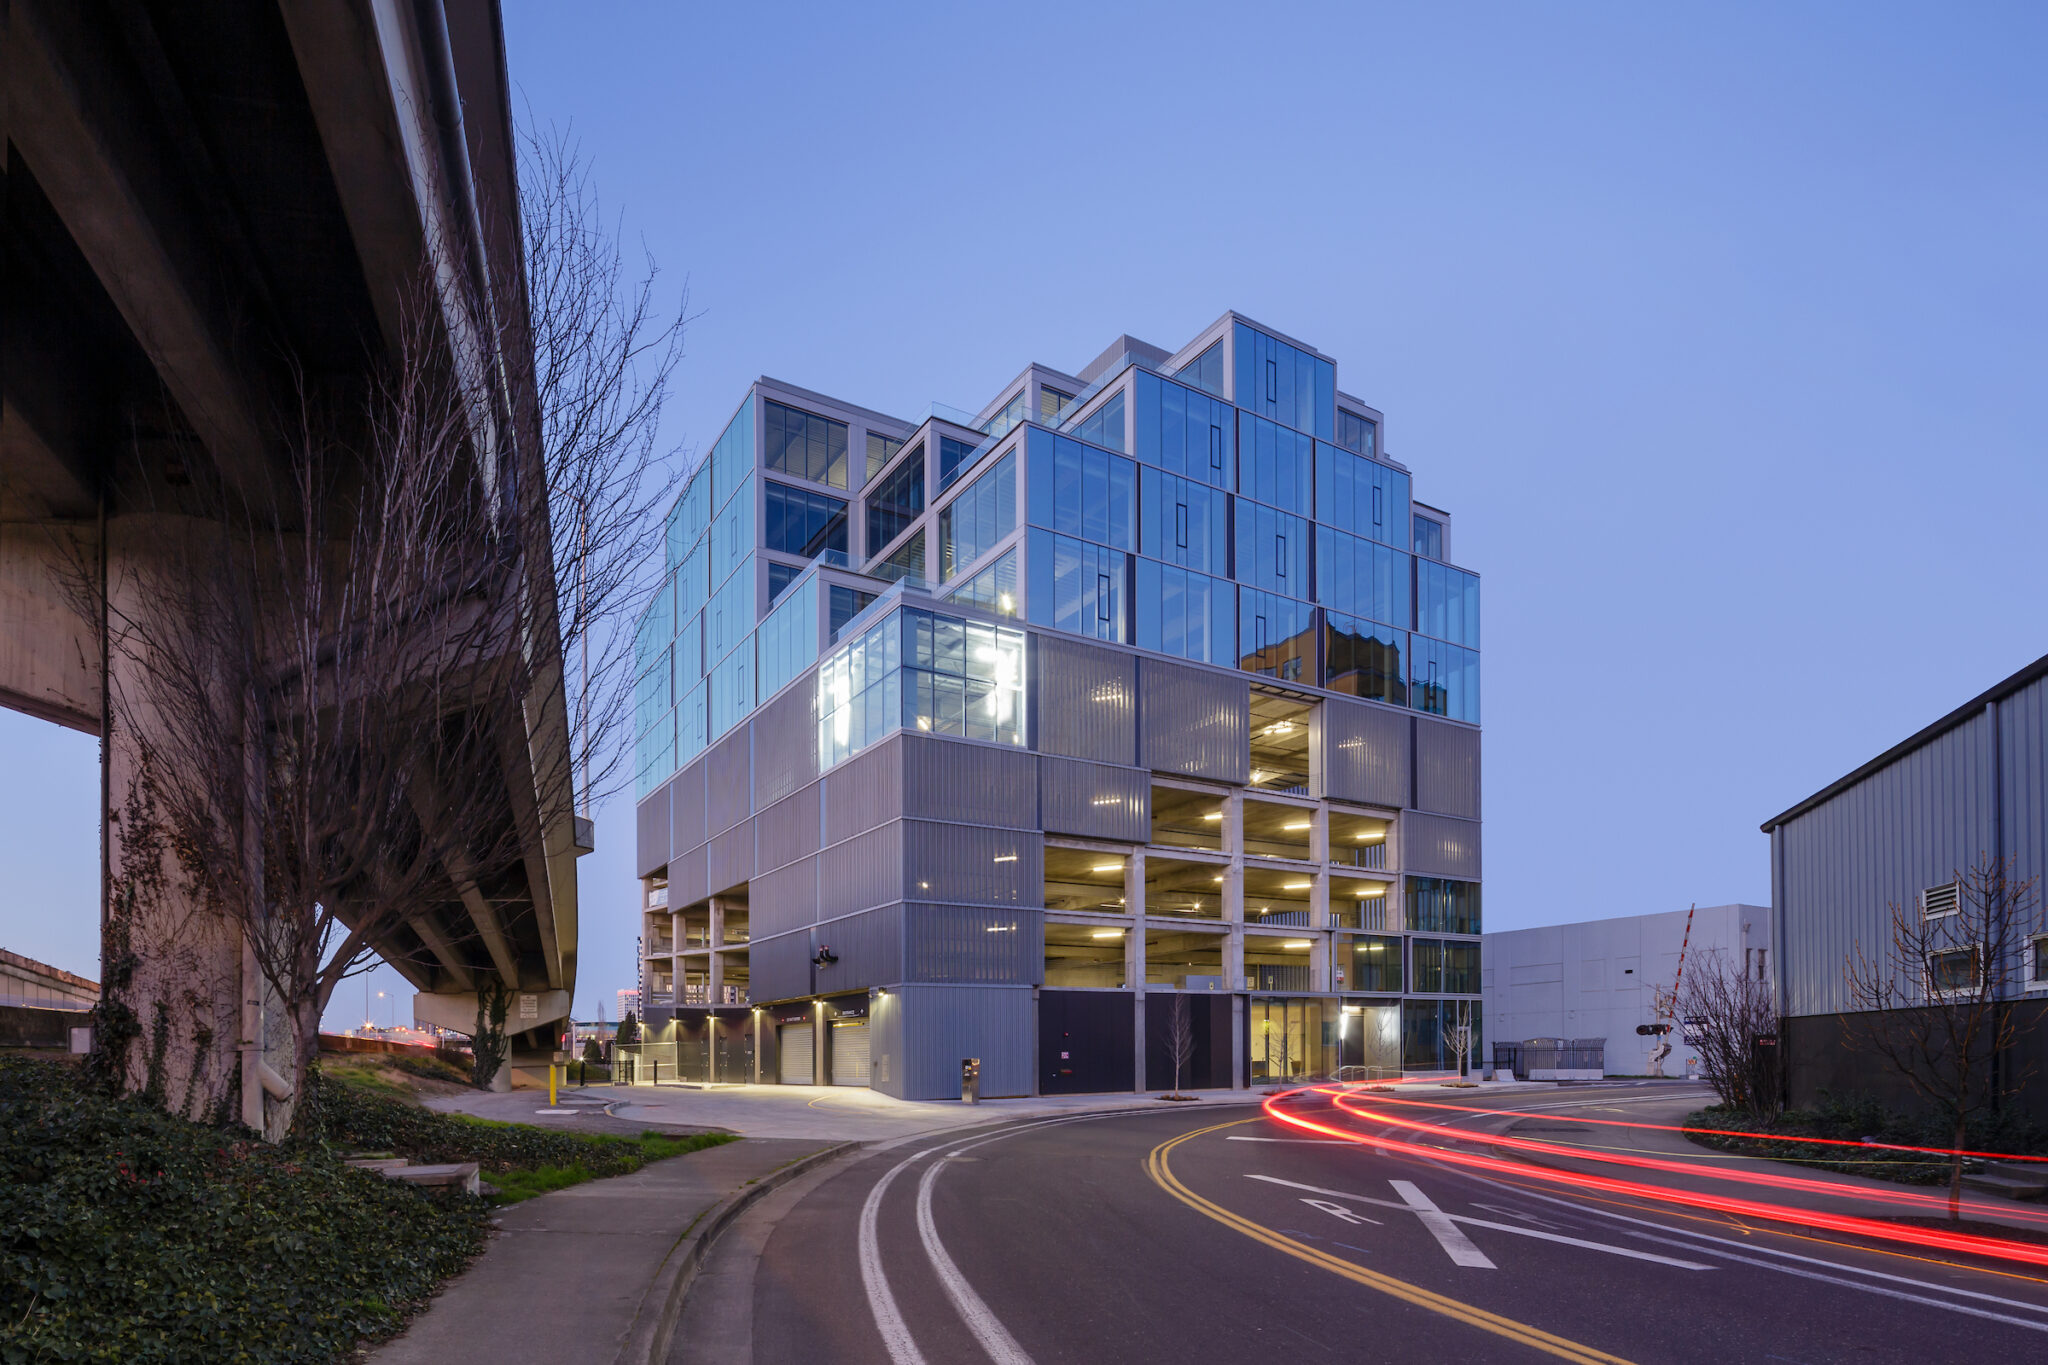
x=1601 y=978
x=1970 y=788
x=37 y=985
x=629 y=1002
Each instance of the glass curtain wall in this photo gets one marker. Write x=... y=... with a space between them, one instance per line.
x=1289 y=1039
x=925 y=671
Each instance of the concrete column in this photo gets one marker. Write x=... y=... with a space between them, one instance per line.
x=821 y=1048
x=714 y=984
x=1134 y=960
x=1233 y=917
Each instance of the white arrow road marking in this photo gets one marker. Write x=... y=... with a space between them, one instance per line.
x=1630 y=1252
x=1456 y=1244
x=1339 y=1211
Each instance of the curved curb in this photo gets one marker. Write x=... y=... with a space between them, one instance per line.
x=652 y=1331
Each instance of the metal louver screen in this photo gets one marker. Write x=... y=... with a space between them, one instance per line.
x=849 y=1053
x=1936 y=901
x=794 y=1052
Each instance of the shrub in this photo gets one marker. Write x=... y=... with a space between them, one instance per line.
x=432 y=1068
x=127 y=1234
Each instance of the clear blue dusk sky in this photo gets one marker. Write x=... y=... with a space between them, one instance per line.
x=1719 y=329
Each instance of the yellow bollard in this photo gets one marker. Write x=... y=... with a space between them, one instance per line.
x=551 y=1085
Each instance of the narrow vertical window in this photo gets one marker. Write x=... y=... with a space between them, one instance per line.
x=1215 y=447
x=1272 y=381
x=1102 y=597
x=1180 y=525
x=1280 y=556
x=1375 y=504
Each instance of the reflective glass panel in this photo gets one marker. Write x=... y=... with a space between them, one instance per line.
x=1447 y=603
x=1361 y=578
x=1274 y=465
x=1360 y=496
x=803 y=444
x=1105 y=425
x=1182 y=522
x=1443 y=679
x=1082 y=491
x=1285 y=383
x=799 y=522
x=1185 y=613
x=1276 y=636
x=1076 y=586
x=895 y=503
x=1189 y=433
x=1272 y=549
x=1364 y=659
x=985 y=512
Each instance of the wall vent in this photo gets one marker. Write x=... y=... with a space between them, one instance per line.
x=1937 y=901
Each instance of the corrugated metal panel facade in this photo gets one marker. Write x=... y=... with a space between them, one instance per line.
x=779 y=968
x=686 y=809
x=686 y=884
x=972 y=864
x=2023 y=766
x=926 y=1030
x=731 y=858
x=869 y=947
x=1086 y=700
x=864 y=871
x=864 y=791
x=1446 y=768
x=981 y=784
x=1094 y=800
x=1194 y=722
x=650 y=835
x=785 y=745
x=788 y=830
x=1438 y=846
x=728 y=782
x=973 y=945
x=1900 y=830
x=1364 y=753
x=784 y=899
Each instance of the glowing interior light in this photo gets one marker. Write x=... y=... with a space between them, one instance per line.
x=924 y=722
x=1103 y=801
x=1279 y=727
x=1006 y=857
x=1295 y=943
x=1373 y=889
x=1107 y=867
x=1107 y=933
x=1216 y=879
x=1299 y=824
x=1294 y=886
x=1214 y=815
x=1006 y=602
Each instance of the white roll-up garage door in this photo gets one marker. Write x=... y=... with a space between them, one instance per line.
x=794 y=1051
x=849 y=1052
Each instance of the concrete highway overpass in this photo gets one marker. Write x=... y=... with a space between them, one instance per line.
x=205 y=206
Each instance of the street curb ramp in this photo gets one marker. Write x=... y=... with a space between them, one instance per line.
x=653 y=1328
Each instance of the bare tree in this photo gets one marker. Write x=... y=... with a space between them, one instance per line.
x=1730 y=1016
x=330 y=670
x=1931 y=1003
x=1458 y=1034
x=1180 y=1039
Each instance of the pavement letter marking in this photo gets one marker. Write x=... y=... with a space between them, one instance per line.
x=1455 y=1243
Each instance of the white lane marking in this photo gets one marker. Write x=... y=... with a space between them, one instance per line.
x=1759 y=1250
x=896 y=1338
x=1456 y=1244
x=1518 y=1230
x=1339 y=1211
x=1002 y=1348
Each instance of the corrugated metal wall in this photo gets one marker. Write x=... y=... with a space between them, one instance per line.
x=788 y=830
x=779 y=968
x=1439 y=846
x=864 y=791
x=1364 y=753
x=982 y=784
x=686 y=809
x=728 y=782
x=860 y=872
x=1194 y=722
x=1446 y=768
x=686 y=881
x=1086 y=699
x=1094 y=800
x=1904 y=828
x=869 y=947
x=785 y=745
x=2023 y=766
x=784 y=899
x=650 y=835
x=972 y=864
x=731 y=858
x=973 y=945
x=934 y=1027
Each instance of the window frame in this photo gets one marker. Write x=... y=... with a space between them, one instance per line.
x=1976 y=952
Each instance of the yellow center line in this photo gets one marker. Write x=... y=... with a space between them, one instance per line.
x=1160 y=1169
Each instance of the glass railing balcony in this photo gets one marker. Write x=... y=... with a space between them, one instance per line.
x=1372 y=857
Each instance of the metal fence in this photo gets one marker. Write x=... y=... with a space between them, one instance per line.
x=1552 y=1059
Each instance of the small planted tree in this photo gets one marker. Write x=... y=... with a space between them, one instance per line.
x=1458 y=1034
x=1180 y=1040
x=488 y=1045
x=1931 y=1000
x=1729 y=1015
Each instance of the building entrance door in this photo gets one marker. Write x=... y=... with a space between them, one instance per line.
x=850 y=1052
x=795 y=1054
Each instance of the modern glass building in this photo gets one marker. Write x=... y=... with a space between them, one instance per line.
x=1141 y=705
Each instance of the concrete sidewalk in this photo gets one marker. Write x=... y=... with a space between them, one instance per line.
x=816 y=1113
x=565 y=1274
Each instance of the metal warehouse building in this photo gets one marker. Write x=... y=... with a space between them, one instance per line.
x=1971 y=787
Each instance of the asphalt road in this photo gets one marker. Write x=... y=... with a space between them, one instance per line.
x=1226 y=1236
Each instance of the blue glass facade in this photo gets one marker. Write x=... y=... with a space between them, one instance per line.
x=1231 y=513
